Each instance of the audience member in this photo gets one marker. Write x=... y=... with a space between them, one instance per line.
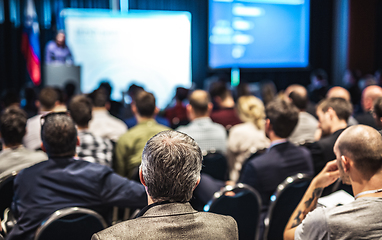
x=307 y=125
x=177 y=115
x=61 y=106
x=69 y=91
x=130 y=145
x=10 y=98
x=131 y=93
x=268 y=91
x=369 y=95
x=359 y=163
x=283 y=158
x=377 y=112
x=63 y=181
x=29 y=105
x=115 y=107
x=248 y=137
x=103 y=124
x=350 y=82
x=47 y=101
x=91 y=148
x=208 y=135
x=14 y=157
x=340 y=92
x=318 y=85
x=170 y=170
x=225 y=113
x=333 y=114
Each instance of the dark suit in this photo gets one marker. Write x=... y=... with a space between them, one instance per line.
x=367 y=119
x=65 y=182
x=322 y=150
x=267 y=171
x=172 y=221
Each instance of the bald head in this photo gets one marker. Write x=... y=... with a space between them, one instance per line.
x=298 y=95
x=369 y=95
x=200 y=102
x=338 y=92
x=363 y=145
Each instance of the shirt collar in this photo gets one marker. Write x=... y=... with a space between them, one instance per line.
x=277 y=142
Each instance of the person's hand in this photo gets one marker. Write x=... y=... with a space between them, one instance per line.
x=328 y=175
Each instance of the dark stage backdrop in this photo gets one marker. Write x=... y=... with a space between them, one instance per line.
x=13 y=71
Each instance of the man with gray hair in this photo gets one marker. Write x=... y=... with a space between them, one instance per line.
x=170 y=171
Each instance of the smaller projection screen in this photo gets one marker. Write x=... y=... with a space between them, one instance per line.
x=258 y=33
x=149 y=48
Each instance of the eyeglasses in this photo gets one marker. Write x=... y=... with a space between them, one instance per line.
x=51 y=114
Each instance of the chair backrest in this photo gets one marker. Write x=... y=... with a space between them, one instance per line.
x=6 y=191
x=283 y=202
x=215 y=165
x=71 y=223
x=241 y=202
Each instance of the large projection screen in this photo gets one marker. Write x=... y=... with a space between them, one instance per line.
x=258 y=33
x=148 y=48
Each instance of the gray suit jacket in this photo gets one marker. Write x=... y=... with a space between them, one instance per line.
x=172 y=221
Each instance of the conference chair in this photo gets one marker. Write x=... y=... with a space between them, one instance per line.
x=241 y=202
x=215 y=165
x=283 y=202
x=72 y=223
x=6 y=197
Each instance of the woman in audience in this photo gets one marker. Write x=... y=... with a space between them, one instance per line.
x=248 y=137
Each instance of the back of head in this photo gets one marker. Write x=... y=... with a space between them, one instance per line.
x=199 y=101
x=99 y=97
x=219 y=89
x=251 y=109
x=181 y=94
x=80 y=108
x=48 y=97
x=283 y=116
x=171 y=165
x=378 y=107
x=369 y=95
x=145 y=103
x=133 y=91
x=59 y=135
x=60 y=94
x=342 y=107
x=10 y=97
x=338 y=92
x=299 y=100
x=12 y=126
x=363 y=145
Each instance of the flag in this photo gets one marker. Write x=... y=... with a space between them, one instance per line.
x=30 y=43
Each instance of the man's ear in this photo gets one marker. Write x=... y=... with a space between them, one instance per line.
x=156 y=111
x=42 y=147
x=268 y=124
x=78 y=141
x=37 y=104
x=141 y=177
x=345 y=161
x=197 y=183
x=108 y=105
x=133 y=108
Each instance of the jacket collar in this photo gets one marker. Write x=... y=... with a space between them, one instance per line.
x=166 y=208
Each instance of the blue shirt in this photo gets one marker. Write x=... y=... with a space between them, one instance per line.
x=57 y=55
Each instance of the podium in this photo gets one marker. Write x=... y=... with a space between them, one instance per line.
x=60 y=74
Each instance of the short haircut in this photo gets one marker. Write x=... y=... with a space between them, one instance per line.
x=12 y=125
x=219 y=89
x=145 y=103
x=181 y=93
x=99 y=97
x=300 y=101
x=80 y=109
x=283 y=116
x=199 y=101
x=363 y=144
x=48 y=97
x=378 y=107
x=59 y=135
x=342 y=107
x=171 y=165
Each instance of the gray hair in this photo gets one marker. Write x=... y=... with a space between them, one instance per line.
x=171 y=165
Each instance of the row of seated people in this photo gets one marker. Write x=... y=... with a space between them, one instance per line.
x=337 y=111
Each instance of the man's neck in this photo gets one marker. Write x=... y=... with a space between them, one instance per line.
x=99 y=109
x=83 y=127
x=11 y=146
x=337 y=125
x=227 y=103
x=362 y=185
x=141 y=119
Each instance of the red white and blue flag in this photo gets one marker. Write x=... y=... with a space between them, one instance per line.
x=30 y=42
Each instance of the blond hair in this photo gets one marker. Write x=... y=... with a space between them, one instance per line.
x=251 y=109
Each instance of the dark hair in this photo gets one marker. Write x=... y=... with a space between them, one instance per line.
x=145 y=103
x=342 y=107
x=300 y=101
x=59 y=135
x=181 y=93
x=60 y=94
x=99 y=97
x=48 y=97
x=80 y=109
x=12 y=125
x=134 y=90
x=283 y=116
x=171 y=165
x=10 y=97
x=378 y=107
x=219 y=89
